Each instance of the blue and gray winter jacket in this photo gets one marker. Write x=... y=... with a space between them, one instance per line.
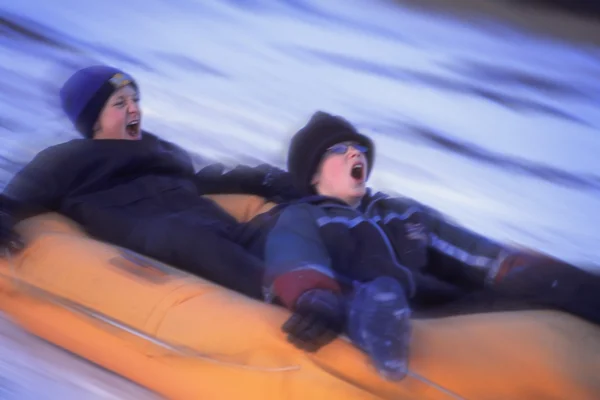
x=321 y=242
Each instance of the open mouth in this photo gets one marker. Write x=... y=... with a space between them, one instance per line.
x=358 y=171
x=133 y=128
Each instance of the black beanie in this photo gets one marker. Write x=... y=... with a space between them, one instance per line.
x=310 y=143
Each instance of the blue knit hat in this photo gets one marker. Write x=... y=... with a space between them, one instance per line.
x=84 y=94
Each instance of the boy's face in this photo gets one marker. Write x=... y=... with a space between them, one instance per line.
x=343 y=173
x=121 y=116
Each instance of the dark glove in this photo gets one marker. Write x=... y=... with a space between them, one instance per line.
x=264 y=180
x=530 y=273
x=9 y=239
x=319 y=317
x=519 y=262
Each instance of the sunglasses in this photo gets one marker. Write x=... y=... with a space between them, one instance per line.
x=342 y=148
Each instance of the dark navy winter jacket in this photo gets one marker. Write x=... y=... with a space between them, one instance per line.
x=145 y=196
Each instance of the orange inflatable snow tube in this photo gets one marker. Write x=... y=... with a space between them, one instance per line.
x=186 y=338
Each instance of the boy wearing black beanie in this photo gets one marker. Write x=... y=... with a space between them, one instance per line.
x=346 y=260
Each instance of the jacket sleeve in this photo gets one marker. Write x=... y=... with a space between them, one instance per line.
x=457 y=253
x=296 y=258
x=35 y=189
x=263 y=180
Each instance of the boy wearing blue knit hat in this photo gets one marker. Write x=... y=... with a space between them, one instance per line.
x=130 y=188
